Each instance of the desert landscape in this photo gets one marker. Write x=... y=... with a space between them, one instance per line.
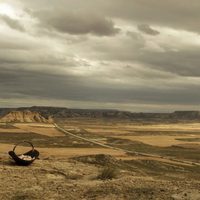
x=104 y=157
x=99 y=100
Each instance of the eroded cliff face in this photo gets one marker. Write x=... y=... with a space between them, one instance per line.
x=58 y=113
x=25 y=116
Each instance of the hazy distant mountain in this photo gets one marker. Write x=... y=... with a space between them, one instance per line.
x=61 y=113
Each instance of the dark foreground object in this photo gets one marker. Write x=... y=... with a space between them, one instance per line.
x=19 y=160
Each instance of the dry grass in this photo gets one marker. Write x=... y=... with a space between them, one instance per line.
x=162 y=135
x=65 y=152
x=12 y=130
x=160 y=140
x=111 y=128
x=156 y=135
x=42 y=129
x=193 y=127
x=108 y=173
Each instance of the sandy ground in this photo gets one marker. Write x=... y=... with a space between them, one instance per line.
x=12 y=130
x=61 y=153
x=42 y=129
x=164 y=160
x=193 y=127
x=125 y=128
x=64 y=152
x=160 y=140
x=73 y=180
x=36 y=124
x=131 y=126
x=56 y=177
x=107 y=132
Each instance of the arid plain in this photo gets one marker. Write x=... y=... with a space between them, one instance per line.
x=152 y=160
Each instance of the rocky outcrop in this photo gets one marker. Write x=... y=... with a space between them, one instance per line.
x=25 y=116
x=63 y=113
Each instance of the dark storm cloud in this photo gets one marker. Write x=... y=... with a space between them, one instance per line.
x=184 y=63
x=76 y=23
x=179 y=14
x=44 y=85
x=33 y=59
x=58 y=57
x=12 y=23
x=145 y=28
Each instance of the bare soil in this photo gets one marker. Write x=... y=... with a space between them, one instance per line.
x=43 y=129
x=69 y=168
x=163 y=140
x=71 y=179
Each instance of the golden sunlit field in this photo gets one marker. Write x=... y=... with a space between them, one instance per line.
x=163 y=135
x=157 y=139
x=43 y=129
x=75 y=151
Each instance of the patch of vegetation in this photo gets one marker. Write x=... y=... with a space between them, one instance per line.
x=21 y=197
x=172 y=151
x=108 y=173
x=98 y=159
x=7 y=125
x=189 y=139
x=44 y=141
x=166 y=170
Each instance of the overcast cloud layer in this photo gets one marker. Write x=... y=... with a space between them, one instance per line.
x=137 y=55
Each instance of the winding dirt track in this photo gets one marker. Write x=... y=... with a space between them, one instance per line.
x=127 y=151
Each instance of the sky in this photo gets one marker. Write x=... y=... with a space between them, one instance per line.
x=135 y=55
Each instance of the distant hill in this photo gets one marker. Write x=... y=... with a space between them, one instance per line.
x=42 y=113
x=24 y=116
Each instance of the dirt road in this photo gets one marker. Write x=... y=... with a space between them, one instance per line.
x=127 y=151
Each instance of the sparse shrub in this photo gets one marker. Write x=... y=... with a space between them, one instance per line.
x=21 y=197
x=108 y=173
x=74 y=176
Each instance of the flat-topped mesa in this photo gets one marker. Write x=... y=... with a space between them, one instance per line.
x=25 y=116
x=186 y=114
